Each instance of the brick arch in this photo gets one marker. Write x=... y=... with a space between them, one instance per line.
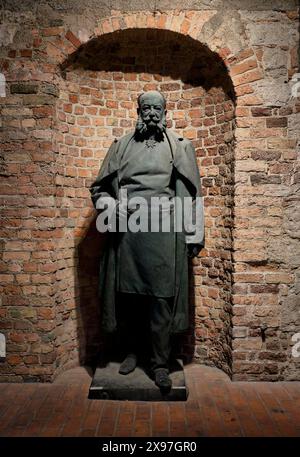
x=213 y=153
x=188 y=23
x=184 y=22
x=243 y=67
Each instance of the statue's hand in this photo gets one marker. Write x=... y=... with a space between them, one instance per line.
x=193 y=250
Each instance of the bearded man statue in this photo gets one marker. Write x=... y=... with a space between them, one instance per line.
x=143 y=279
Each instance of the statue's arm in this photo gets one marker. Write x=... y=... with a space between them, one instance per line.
x=195 y=238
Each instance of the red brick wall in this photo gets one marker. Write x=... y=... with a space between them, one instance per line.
x=30 y=228
x=57 y=122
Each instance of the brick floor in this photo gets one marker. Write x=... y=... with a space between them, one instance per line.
x=215 y=407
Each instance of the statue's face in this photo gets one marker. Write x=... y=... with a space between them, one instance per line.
x=151 y=109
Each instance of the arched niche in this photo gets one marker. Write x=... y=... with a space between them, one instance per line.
x=99 y=86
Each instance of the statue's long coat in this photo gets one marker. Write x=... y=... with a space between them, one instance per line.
x=187 y=185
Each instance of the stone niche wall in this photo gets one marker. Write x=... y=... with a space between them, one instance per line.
x=97 y=103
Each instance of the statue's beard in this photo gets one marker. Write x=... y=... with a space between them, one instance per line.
x=143 y=130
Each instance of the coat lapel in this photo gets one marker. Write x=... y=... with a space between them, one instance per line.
x=184 y=159
x=111 y=163
x=173 y=144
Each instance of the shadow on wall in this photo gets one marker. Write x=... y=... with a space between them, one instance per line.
x=113 y=52
x=88 y=255
x=176 y=64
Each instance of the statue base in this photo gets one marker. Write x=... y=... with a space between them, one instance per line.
x=108 y=384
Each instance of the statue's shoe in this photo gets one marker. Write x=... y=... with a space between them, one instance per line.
x=162 y=379
x=128 y=365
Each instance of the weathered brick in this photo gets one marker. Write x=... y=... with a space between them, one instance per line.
x=36 y=100
x=245 y=78
x=26 y=53
x=261 y=111
x=73 y=39
x=243 y=67
x=24 y=88
x=266 y=155
x=6 y=278
x=240 y=332
x=52 y=31
x=14 y=359
x=276 y=122
x=264 y=288
x=265 y=179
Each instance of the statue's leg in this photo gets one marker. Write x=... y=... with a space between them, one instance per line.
x=160 y=325
x=126 y=322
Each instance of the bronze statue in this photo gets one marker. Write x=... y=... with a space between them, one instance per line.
x=144 y=274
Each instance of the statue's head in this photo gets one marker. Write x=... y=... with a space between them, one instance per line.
x=151 y=114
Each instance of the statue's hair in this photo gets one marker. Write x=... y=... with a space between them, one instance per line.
x=151 y=92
